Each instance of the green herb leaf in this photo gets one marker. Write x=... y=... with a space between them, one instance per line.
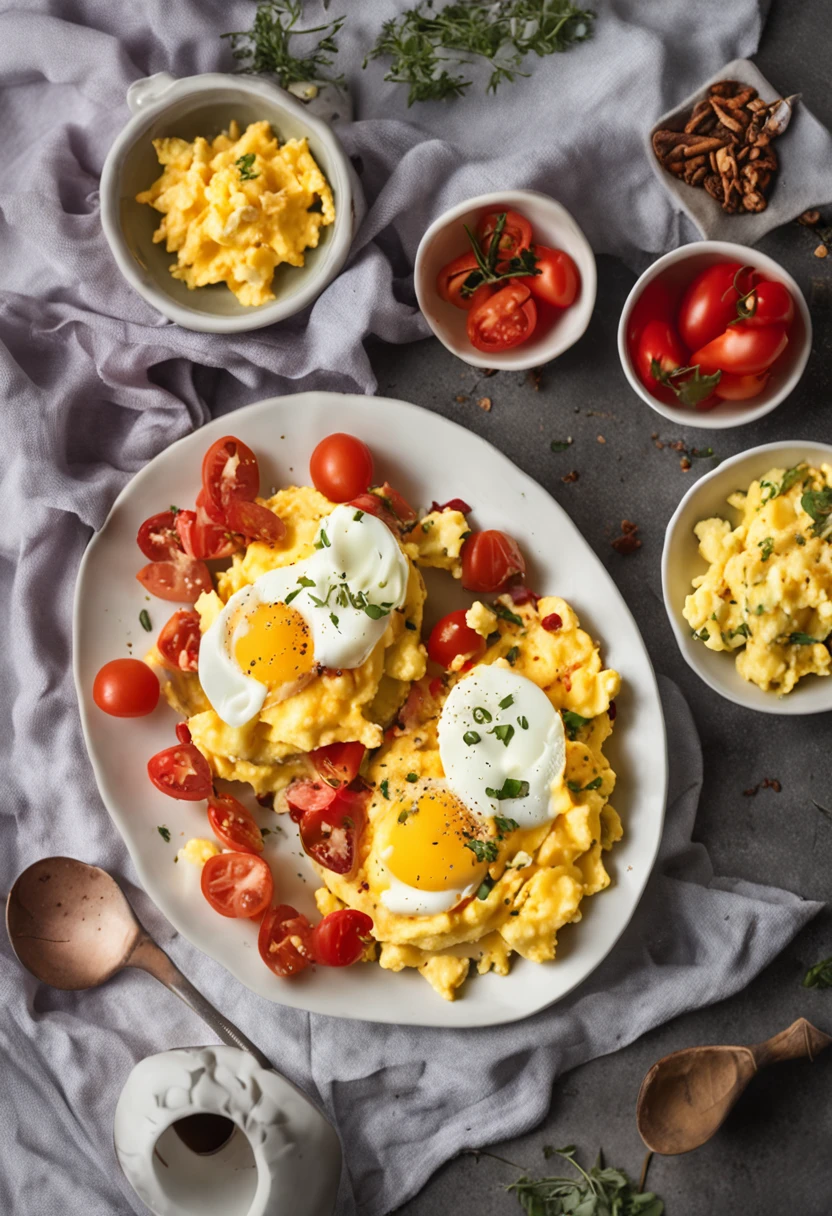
x=523 y=722
x=803 y=639
x=384 y=786
x=144 y=620
x=701 y=453
x=375 y=613
x=245 y=164
x=483 y=850
x=164 y=833
x=688 y=383
x=512 y=655
x=766 y=547
x=701 y=635
x=504 y=732
x=801 y=540
x=507 y=702
x=511 y=788
x=818 y=506
x=506 y=614
x=266 y=48
x=334 y=619
x=480 y=715
x=323 y=540
x=581 y=789
x=403 y=816
x=411 y=777
x=505 y=825
x=599 y=1191
x=486 y=887
x=471 y=737
x=573 y=723
x=819 y=976
x=359 y=515
x=560 y=445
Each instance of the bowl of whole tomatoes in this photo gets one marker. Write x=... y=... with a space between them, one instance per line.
x=506 y=280
x=714 y=335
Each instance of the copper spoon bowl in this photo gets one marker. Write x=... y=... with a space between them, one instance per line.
x=71 y=925
x=686 y=1097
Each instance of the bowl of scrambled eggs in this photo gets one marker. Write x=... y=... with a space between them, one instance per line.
x=226 y=205
x=747 y=578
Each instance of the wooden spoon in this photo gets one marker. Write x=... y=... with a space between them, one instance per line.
x=687 y=1096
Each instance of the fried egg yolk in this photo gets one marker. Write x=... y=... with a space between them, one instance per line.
x=277 y=647
x=427 y=843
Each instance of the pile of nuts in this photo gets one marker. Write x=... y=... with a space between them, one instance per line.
x=725 y=145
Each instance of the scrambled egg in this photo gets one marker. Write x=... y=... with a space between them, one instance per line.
x=766 y=593
x=237 y=208
x=197 y=851
x=541 y=874
x=337 y=706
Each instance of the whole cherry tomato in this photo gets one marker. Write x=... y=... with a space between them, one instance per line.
x=234 y=825
x=178 y=641
x=771 y=303
x=338 y=762
x=709 y=303
x=490 y=560
x=285 y=941
x=659 y=342
x=237 y=884
x=742 y=350
x=505 y=319
x=230 y=470
x=451 y=637
x=181 y=772
x=338 y=940
x=126 y=688
x=341 y=467
x=559 y=280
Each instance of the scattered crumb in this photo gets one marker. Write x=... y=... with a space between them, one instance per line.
x=684 y=464
x=570 y=477
x=533 y=377
x=460 y=397
x=628 y=542
x=821 y=251
x=809 y=218
x=490 y=371
x=484 y=403
x=600 y=439
x=767 y=783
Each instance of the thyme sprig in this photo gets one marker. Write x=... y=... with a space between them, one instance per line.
x=268 y=47
x=522 y=265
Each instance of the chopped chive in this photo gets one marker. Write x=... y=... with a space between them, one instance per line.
x=144 y=620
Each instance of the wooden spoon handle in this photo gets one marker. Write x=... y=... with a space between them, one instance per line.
x=801 y=1039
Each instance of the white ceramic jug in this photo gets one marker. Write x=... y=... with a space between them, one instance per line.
x=206 y=1130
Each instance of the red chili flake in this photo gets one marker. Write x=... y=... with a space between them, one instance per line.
x=612 y=711
x=569 y=477
x=521 y=594
x=453 y=504
x=552 y=623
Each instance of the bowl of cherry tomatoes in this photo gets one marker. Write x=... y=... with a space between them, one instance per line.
x=714 y=335
x=506 y=280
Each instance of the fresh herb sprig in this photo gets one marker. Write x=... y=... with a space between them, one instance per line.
x=269 y=46
x=818 y=506
x=819 y=976
x=600 y=1191
x=428 y=48
x=688 y=383
x=523 y=265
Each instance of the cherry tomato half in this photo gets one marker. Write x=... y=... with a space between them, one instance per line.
x=772 y=304
x=234 y=825
x=490 y=560
x=709 y=303
x=237 y=884
x=515 y=237
x=230 y=470
x=341 y=467
x=451 y=637
x=659 y=341
x=183 y=579
x=254 y=521
x=305 y=796
x=126 y=688
x=338 y=762
x=285 y=940
x=451 y=279
x=740 y=388
x=559 y=280
x=178 y=641
x=181 y=772
x=158 y=537
x=338 y=940
x=387 y=505
x=504 y=320
x=201 y=537
x=742 y=350
x=330 y=834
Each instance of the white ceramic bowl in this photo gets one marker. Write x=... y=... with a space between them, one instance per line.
x=205 y=105
x=677 y=269
x=445 y=239
x=681 y=563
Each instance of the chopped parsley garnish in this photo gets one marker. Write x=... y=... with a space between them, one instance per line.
x=293 y=595
x=766 y=547
x=375 y=612
x=581 y=789
x=483 y=850
x=506 y=614
x=384 y=786
x=573 y=723
x=818 y=506
x=144 y=620
x=164 y=833
x=505 y=825
x=323 y=540
x=504 y=732
x=403 y=816
x=789 y=479
x=480 y=715
x=495 y=637
x=471 y=737
x=523 y=722
x=174 y=510
x=507 y=701
x=306 y=582
x=245 y=164
x=701 y=635
x=411 y=777
x=334 y=619
x=512 y=655
x=801 y=540
x=760 y=609
x=485 y=887
x=359 y=515
x=803 y=639
x=511 y=788
x=741 y=631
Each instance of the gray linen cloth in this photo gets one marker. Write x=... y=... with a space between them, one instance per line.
x=93 y=384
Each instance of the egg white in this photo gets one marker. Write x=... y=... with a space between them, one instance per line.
x=352 y=548
x=409 y=901
x=535 y=753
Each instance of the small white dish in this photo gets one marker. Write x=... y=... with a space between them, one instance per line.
x=677 y=269
x=205 y=105
x=445 y=239
x=681 y=563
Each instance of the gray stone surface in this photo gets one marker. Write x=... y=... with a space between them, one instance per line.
x=773 y=1154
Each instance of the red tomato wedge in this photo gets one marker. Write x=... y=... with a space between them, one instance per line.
x=305 y=796
x=338 y=762
x=341 y=467
x=709 y=303
x=515 y=237
x=339 y=939
x=490 y=560
x=234 y=825
x=230 y=470
x=126 y=688
x=178 y=641
x=330 y=834
x=183 y=579
x=559 y=280
x=451 y=637
x=181 y=772
x=504 y=320
x=237 y=884
x=742 y=350
x=201 y=537
x=451 y=279
x=254 y=521
x=387 y=505
x=158 y=538
x=214 y=513
x=741 y=388
x=285 y=940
